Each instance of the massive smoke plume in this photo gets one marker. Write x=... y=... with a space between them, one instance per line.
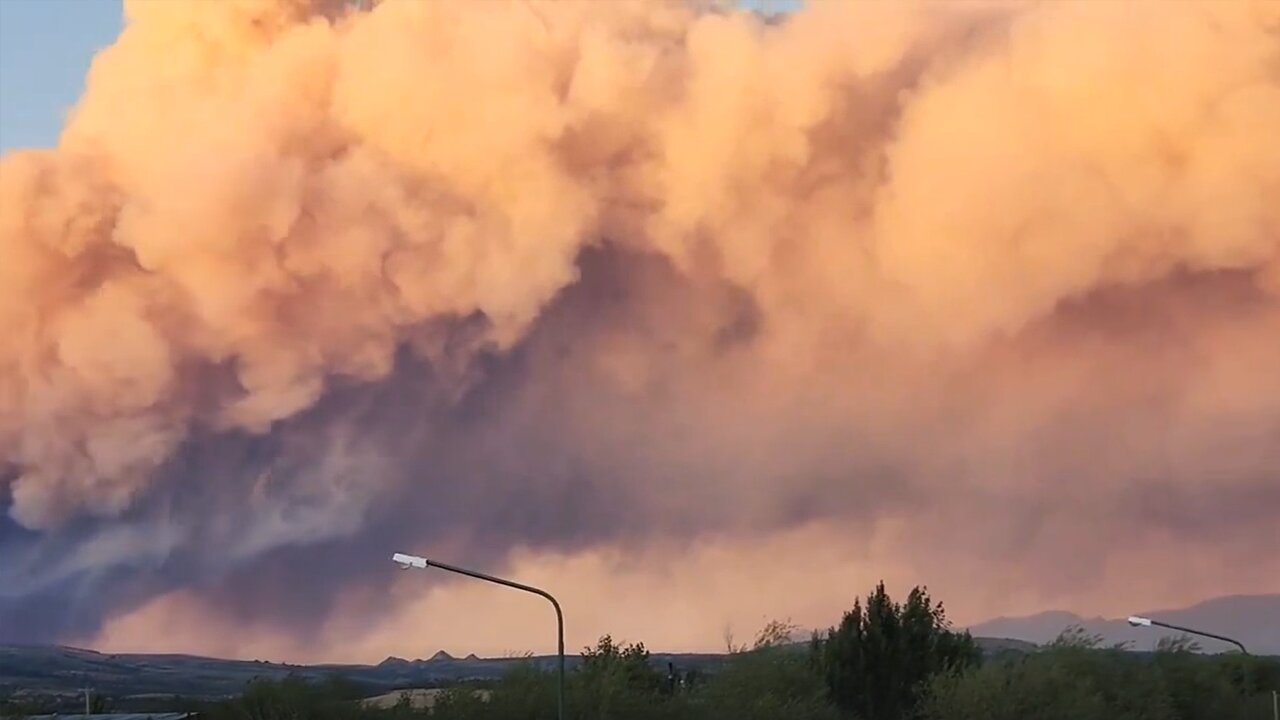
x=985 y=295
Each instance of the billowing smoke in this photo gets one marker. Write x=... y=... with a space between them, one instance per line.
x=989 y=290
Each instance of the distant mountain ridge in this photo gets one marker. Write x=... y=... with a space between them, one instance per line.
x=49 y=670
x=52 y=670
x=1252 y=619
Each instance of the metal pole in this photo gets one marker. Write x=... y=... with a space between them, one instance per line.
x=1201 y=633
x=528 y=589
x=1275 y=704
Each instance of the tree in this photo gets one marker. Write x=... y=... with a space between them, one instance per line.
x=1077 y=678
x=627 y=663
x=775 y=634
x=1205 y=687
x=617 y=681
x=771 y=682
x=877 y=662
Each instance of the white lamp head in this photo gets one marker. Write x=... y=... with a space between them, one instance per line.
x=410 y=561
x=1137 y=621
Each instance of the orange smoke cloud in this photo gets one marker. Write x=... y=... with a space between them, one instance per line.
x=1004 y=274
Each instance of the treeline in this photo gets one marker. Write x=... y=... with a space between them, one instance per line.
x=884 y=661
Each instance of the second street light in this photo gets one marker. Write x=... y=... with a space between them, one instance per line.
x=1138 y=621
x=421 y=563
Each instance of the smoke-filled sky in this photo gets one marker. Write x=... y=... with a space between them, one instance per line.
x=693 y=318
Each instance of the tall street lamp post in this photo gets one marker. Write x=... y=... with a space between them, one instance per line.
x=413 y=561
x=1138 y=621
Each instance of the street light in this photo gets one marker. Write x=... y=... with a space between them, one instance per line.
x=1138 y=621
x=413 y=561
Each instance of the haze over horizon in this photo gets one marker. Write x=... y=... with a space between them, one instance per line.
x=1248 y=618
x=693 y=319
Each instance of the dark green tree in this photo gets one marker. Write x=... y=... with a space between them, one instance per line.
x=617 y=681
x=877 y=662
x=630 y=663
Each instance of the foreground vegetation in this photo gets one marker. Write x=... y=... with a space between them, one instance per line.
x=885 y=661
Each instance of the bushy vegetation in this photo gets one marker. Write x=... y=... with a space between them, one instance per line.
x=884 y=661
x=1076 y=678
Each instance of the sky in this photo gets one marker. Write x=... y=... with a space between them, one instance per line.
x=694 y=319
x=45 y=50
